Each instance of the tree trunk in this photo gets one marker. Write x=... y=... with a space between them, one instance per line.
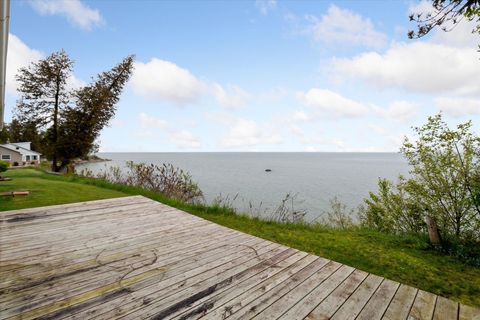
x=458 y=224
x=433 y=232
x=66 y=164
x=55 y=167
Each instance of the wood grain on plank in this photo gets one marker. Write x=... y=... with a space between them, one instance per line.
x=115 y=277
x=268 y=298
x=423 y=306
x=242 y=296
x=379 y=302
x=313 y=298
x=401 y=303
x=208 y=304
x=445 y=309
x=468 y=313
x=355 y=303
x=327 y=308
x=143 y=296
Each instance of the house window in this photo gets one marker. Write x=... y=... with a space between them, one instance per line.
x=5 y=157
x=35 y=158
x=28 y=158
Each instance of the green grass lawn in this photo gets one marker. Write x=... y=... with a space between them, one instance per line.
x=44 y=192
x=401 y=258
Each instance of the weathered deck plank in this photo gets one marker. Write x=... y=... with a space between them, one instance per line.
x=401 y=303
x=378 y=304
x=133 y=258
x=306 y=304
x=234 y=299
x=467 y=312
x=105 y=274
x=210 y=303
x=445 y=309
x=319 y=271
x=327 y=308
x=423 y=306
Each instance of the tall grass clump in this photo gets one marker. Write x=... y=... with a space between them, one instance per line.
x=338 y=216
x=286 y=212
x=166 y=179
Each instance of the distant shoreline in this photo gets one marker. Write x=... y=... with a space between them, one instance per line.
x=257 y=152
x=93 y=160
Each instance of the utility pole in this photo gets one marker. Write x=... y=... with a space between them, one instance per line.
x=4 y=21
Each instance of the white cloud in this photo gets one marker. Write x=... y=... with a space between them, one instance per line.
x=275 y=95
x=265 y=6
x=312 y=149
x=329 y=103
x=458 y=107
x=247 y=133
x=377 y=128
x=118 y=123
x=418 y=66
x=221 y=117
x=76 y=12
x=460 y=36
x=151 y=126
x=296 y=130
x=401 y=111
x=147 y=122
x=233 y=97
x=19 y=55
x=185 y=139
x=74 y=83
x=333 y=104
x=301 y=116
x=165 y=80
x=294 y=122
x=344 y=26
x=337 y=145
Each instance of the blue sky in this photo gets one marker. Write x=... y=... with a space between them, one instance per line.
x=257 y=75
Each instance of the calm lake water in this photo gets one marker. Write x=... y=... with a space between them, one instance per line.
x=314 y=177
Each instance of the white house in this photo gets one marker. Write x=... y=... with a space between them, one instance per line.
x=13 y=152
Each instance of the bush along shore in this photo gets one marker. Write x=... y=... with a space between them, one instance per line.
x=404 y=257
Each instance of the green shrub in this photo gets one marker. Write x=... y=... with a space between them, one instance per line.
x=444 y=184
x=393 y=209
x=4 y=166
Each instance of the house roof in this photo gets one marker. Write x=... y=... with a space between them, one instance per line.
x=2 y=146
x=21 y=150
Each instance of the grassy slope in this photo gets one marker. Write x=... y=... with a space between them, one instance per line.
x=402 y=259
x=47 y=192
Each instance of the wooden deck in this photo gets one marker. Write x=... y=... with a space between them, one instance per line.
x=133 y=258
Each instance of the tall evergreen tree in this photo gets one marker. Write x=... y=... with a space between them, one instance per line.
x=44 y=94
x=93 y=109
x=69 y=119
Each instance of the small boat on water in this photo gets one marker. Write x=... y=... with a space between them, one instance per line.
x=268 y=170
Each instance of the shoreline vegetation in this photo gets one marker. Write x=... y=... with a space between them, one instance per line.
x=406 y=258
x=90 y=159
